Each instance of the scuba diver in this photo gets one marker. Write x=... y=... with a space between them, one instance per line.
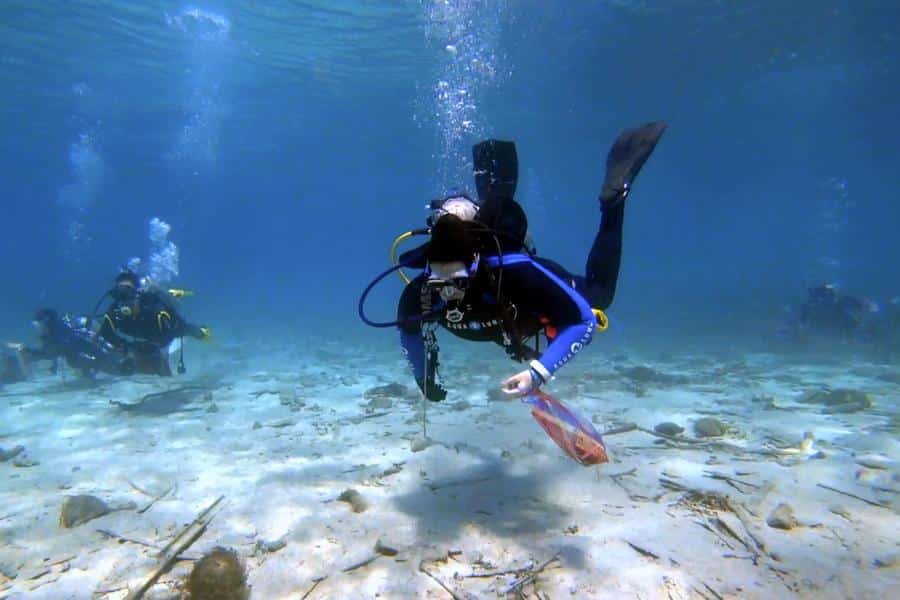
x=143 y=322
x=69 y=338
x=482 y=281
x=828 y=313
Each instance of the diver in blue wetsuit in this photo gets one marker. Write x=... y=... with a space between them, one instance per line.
x=481 y=282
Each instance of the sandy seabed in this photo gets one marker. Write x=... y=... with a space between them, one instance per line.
x=329 y=488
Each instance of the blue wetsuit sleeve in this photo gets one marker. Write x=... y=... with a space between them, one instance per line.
x=568 y=342
x=544 y=293
x=414 y=348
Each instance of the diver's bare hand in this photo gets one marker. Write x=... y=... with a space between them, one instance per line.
x=520 y=384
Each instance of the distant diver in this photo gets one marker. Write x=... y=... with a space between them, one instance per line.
x=482 y=281
x=68 y=338
x=829 y=314
x=143 y=321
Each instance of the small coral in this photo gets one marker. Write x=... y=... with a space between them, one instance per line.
x=219 y=575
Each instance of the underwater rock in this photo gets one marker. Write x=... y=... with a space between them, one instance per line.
x=838 y=401
x=765 y=402
x=709 y=427
x=649 y=376
x=873 y=461
x=390 y=390
x=392 y=470
x=378 y=403
x=393 y=392
x=384 y=549
x=271 y=546
x=288 y=397
x=893 y=425
x=420 y=443
x=782 y=517
x=5 y=455
x=669 y=428
x=24 y=461
x=81 y=509
x=889 y=561
x=890 y=377
x=878 y=479
x=460 y=406
x=9 y=570
x=219 y=575
x=354 y=499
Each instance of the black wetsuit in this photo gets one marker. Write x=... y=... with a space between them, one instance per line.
x=82 y=349
x=826 y=313
x=145 y=327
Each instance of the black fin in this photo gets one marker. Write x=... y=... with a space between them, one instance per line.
x=507 y=220
x=626 y=157
x=496 y=169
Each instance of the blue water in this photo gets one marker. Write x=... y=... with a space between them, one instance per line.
x=287 y=143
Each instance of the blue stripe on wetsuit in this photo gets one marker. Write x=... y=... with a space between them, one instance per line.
x=413 y=345
x=570 y=339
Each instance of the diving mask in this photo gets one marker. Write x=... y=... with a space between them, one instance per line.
x=460 y=283
x=123 y=293
x=451 y=285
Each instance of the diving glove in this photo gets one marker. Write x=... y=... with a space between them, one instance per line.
x=434 y=391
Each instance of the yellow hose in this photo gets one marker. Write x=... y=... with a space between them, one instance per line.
x=400 y=238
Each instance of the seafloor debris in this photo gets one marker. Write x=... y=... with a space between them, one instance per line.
x=669 y=428
x=168 y=555
x=384 y=396
x=219 y=575
x=420 y=443
x=288 y=397
x=354 y=499
x=384 y=549
x=81 y=509
x=166 y=402
x=782 y=517
x=270 y=546
x=709 y=427
x=5 y=455
x=644 y=375
x=838 y=400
